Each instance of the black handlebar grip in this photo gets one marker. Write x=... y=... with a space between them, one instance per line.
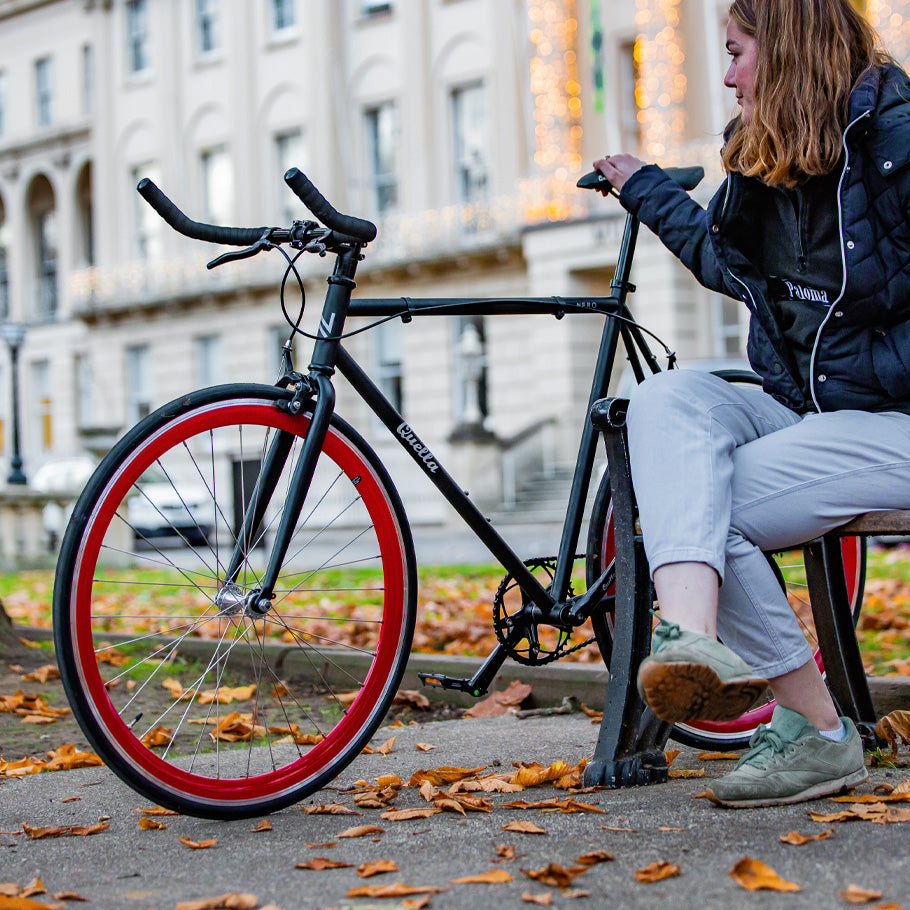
x=364 y=231
x=212 y=233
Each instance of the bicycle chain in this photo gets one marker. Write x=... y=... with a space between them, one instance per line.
x=548 y=563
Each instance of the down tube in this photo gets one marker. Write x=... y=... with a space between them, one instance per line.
x=440 y=478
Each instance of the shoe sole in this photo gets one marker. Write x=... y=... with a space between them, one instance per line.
x=826 y=788
x=681 y=692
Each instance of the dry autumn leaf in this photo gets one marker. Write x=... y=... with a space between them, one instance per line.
x=386 y=747
x=415 y=903
x=232 y=901
x=686 y=772
x=319 y=863
x=544 y=900
x=329 y=809
x=492 y=877
x=156 y=810
x=894 y=727
x=754 y=875
x=424 y=747
x=23 y=903
x=66 y=758
x=263 y=825
x=657 y=872
x=555 y=874
x=593 y=857
x=853 y=894
x=197 y=844
x=797 y=839
x=719 y=756
x=376 y=867
x=68 y=896
x=403 y=815
x=362 y=831
x=500 y=702
x=151 y=824
x=523 y=828
x=36 y=833
x=441 y=776
x=397 y=890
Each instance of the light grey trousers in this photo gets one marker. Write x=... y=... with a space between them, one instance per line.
x=722 y=471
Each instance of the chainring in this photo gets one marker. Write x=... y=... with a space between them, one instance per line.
x=530 y=651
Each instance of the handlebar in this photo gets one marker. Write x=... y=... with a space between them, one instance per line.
x=212 y=233
x=687 y=177
x=360 y=229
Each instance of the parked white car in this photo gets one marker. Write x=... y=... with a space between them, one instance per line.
x=160 y=508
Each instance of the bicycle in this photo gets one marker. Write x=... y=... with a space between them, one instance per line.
x=233 y=602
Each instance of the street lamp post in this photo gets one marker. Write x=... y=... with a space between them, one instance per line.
x=14 y=334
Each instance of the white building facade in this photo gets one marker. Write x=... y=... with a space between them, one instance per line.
x=459 y=126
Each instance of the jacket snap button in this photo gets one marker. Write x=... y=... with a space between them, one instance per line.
x=838 y=314
x=776 y=368
x=822 y=378
x=715 y=229
x=850 y=244
x=888 y=165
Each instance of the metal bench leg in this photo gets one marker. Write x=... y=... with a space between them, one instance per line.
x=629 y=749
x=836 y=633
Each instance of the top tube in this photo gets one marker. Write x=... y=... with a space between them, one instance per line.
x=482 y=306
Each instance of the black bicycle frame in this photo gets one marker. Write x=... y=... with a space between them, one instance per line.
x=546 y=605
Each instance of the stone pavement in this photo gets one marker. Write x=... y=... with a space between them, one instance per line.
x=127 y=867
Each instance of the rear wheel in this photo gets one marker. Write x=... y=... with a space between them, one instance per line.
x=790 y=569
x=189 y=693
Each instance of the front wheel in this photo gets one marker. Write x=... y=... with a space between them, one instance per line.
x=188 y=691
x=790 y=569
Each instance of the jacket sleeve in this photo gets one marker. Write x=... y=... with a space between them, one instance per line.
x=678 y=220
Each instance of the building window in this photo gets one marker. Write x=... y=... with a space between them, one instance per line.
x=44 y=91
x=382 y=156
x=46 y=247
x=374 y=7
x=283 y=14
x=4 y=265
x=207 y=26
x=629 y=121
x=470 y=133
x=2 y=102
x=82 y=376
x=137 y=36
x=208 y=360
x=217 y=185
x=138 y=383
x=88 y=79
x=288 y=154
x=470 y=370
x=388 y=354
x=147 y=225
x=42 y=419
x=727 y=327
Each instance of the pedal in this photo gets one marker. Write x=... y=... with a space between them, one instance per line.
x=458 y=683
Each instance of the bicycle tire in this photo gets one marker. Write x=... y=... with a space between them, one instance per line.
x=733 y=734
x=121 y=635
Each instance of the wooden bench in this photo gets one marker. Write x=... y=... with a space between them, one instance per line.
x=629 y=750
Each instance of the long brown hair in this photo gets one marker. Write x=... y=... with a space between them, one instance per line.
x=810 y=55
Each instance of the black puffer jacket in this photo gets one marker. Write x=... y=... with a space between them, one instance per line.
x=861 y=356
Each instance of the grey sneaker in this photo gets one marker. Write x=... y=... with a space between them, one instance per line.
x=692 y=676
x=789 y=761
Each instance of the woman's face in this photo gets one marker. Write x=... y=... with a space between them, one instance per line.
x=741 y=74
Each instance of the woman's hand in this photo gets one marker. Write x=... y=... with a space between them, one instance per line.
x=618 y=169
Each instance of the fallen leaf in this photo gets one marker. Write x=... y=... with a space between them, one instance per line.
x=233 y=901
x=376 y=867
x=671 y=755
x=894 y=727
x=593 y=857
x=856 y=895
x=424 y=747
x=439 y=777
x=64 y=830
x=66 y=758
x=506 y=852
x=318 y=863
x=68 y=896
x=556 y=875
x=403 y=815
x=686 y=772
x=386 y=747
x=622 y=830
x=330 y=809
x=264 y=825
x=797 y=839
x=43 y=674
x=197 y=844
x=149 y=824
x=754 y=875
x=523 y=827
x=397 y=890
x=157 y=810
x=362 y=831
x=35 y=886
x=23 y=903
x=415 y=903
x=157 y=736
x=719 y=756
x=500 y=702
x=657 y=872
x=412 y=698
x=545 y=899
x=492 y=877
x=325 y=846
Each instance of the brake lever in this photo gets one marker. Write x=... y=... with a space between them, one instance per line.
x=261 y=245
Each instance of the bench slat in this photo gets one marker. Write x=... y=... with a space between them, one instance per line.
x=892 y=521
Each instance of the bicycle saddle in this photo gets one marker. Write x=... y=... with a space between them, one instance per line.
x=687 y=177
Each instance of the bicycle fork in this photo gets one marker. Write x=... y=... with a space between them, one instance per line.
x=258 y=601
